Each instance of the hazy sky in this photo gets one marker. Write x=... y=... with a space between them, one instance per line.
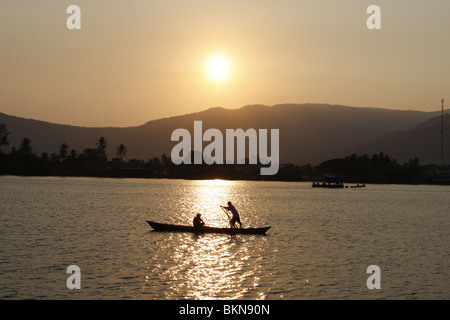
x=139 y=60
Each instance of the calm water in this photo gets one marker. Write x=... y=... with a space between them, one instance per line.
x=319 y=247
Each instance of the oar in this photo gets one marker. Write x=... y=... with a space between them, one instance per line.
x=229 y=219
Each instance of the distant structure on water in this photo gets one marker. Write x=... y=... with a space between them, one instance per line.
x=334 y=182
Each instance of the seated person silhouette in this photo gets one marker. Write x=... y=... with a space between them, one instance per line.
x=198 y=222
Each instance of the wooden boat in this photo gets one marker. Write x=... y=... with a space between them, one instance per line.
x=204 y=229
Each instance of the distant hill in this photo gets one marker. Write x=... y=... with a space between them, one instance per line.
x=309 y=133
x=422 y=141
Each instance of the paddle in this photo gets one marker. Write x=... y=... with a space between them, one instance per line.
x=224 y=210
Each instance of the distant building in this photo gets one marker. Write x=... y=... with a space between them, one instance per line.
x=95 y=155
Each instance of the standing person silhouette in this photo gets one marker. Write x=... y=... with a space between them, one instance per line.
x=235 y=213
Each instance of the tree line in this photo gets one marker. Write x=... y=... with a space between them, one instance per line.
x=376 y=168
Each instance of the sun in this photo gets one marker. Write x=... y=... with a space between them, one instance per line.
x=218 y=68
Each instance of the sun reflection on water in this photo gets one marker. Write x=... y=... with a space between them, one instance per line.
x=211 y=266
x=207 y=196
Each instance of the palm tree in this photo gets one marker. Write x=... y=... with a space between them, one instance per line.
x=101 y=143
x=3 y=129
x=4 y=136
x=25 y=146
x=121 y=151
x=73 y=155
x=63 y=151
x=166 y=160
x=4 y=142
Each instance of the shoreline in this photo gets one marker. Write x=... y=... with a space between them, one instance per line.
x=347 y=184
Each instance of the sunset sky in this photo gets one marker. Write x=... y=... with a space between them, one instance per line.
x=140 y=60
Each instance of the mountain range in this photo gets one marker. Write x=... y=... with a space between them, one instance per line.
x=309 y=133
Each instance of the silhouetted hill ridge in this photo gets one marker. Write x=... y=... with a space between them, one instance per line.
x=422 y=141
x=309 y=133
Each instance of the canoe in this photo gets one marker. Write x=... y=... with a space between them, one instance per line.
x=172 y=227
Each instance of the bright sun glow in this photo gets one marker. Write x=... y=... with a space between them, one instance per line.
x=218 y=68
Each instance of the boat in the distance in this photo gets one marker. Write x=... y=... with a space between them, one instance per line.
x=205 y=229
x=327 y=185
x=333 y=182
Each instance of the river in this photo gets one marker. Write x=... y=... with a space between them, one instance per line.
x=319 y=247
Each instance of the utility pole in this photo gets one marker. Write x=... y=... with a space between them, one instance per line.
x=442 y=133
